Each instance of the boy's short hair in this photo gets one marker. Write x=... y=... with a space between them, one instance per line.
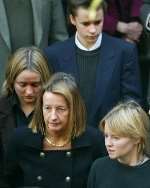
x=73 y=5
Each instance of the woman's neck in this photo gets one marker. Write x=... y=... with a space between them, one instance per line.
x=58 y=139
x=27 y=108
x=132 y=160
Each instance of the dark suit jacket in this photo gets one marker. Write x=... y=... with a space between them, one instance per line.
x=48 y=26
x=117 y=76
x=27 y=164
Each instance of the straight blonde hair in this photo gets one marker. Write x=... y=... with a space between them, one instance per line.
x=130 y=120
x=64 y=85
x=27 y=58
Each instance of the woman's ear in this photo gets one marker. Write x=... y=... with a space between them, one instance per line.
x=137 y=140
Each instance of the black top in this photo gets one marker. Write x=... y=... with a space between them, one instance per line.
x=87 y=66
x=107 y=173
x=20 y=117
x=27 y=164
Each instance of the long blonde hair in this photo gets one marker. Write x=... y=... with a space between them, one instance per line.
x=64 y=85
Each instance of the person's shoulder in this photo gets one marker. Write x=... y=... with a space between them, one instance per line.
x=21 y=133
x=89 y=136
x=24 y=137
x=4 y=99
x=60 y=45
x=116 y=41
x=100 y=162
x=92 y=132
x=5 y=104
x=93 y=135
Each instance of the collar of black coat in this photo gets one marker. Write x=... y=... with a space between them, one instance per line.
x=25 y=136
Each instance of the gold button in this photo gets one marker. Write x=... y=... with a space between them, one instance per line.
x=68 y=153
x=68 y=179
x=42 y=154
x=39 y=178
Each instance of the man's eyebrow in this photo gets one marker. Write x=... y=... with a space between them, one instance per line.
x=92 y=21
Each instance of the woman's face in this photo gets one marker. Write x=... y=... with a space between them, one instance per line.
x=55 y=113
x=120 y=147
x=27 y=86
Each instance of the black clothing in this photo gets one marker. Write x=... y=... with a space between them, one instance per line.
x=107 y=173
x=27 y=164
x=10 y=118
x=20 y=117
x=87 y=65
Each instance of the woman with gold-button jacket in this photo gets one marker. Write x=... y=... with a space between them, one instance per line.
x=57 y=150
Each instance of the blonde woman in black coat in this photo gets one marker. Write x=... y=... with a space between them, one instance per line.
x=57 y=150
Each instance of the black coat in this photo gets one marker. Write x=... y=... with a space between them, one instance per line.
x=27 y=164
x=7 y=120
x=7 y=125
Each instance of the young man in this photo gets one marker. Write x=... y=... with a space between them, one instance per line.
x=105 y=68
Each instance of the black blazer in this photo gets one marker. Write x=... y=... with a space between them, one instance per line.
x=27 y=164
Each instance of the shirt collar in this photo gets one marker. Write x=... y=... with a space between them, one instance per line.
x=94 y=47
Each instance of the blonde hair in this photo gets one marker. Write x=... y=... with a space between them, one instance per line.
x=130 y=120
x=64 y=85
x=27 y=58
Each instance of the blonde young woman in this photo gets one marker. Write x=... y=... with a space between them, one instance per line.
x=127 y=139
x=27 y=70
x=57 y=150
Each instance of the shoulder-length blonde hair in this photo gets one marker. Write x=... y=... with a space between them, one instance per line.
x=64 y=85
x=130 y=120
x=27 y=58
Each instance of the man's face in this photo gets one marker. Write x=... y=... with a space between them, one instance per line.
x=88 y=30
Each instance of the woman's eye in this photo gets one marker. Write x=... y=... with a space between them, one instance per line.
x=61 y=109
x=22 y=84
x=116 y=137
x=45 y=107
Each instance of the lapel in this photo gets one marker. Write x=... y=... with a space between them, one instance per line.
x=4 y=29
x=37 y=7
x=68 y=62
x=104 y=70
